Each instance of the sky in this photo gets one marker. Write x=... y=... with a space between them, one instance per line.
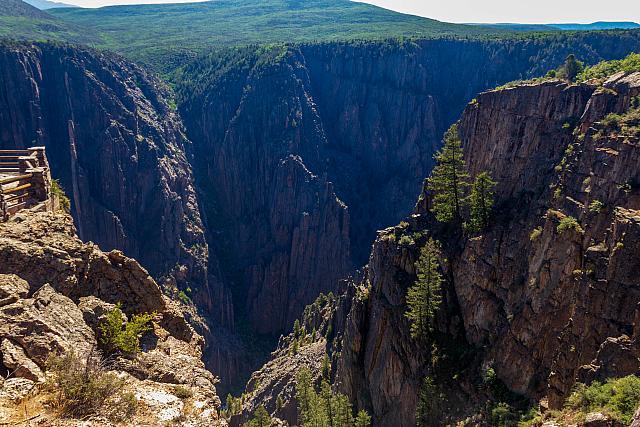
x=540 y=11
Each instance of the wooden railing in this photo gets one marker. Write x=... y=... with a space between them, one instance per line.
x=25 y=180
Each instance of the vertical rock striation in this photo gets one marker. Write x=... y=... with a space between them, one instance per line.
x=340 y=126
x=117 y=149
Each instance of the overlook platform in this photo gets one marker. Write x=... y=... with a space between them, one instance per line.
x=25 y=181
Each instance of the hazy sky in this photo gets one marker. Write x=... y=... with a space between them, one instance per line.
x=539 y=11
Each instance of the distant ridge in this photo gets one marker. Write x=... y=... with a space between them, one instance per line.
x=601 y=25
x=20 y=9
x=46 y=4
x=22 y=21
x=149 y=32
x=598 y=26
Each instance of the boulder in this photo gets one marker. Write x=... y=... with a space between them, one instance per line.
x=16 y=360
x=598 y=419
x=48 y=323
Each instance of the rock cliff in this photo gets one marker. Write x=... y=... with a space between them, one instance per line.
x=295 y=147
x=117 y=149
x=541 y=303
x=54 y=293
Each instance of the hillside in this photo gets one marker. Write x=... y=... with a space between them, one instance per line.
x=21 y=21
x=156 y=34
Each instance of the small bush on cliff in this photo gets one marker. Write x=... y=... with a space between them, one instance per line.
x=503 y=415
x=596 y=206
x=448 y=180
x=58 y=193
x=423 y=298
x=619 y=398
x=569 y=223
x=84 y=387
x=119 y=336
x=537 y=232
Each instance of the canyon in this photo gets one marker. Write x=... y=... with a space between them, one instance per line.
x=261 y=181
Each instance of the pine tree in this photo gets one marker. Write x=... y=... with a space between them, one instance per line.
x=261 y=418
x=297 y=329
x=279 y=402
x=429 y=402
x=363 y=419
x=571 y=68
x=326 y=368
x=423 y=298
x=448 y=181
x=343 y=413
x=481 y=201
x=328 y=400
x=304 y=391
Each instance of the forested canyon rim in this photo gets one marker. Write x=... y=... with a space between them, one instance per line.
x=251 y=180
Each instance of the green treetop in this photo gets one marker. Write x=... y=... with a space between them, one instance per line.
x=423 y=298
x=261 y=418
x=363 y=419
x=481 y=201
x=448 y=181
x=570 y=69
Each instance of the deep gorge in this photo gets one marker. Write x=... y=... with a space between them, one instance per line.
x=267 y=185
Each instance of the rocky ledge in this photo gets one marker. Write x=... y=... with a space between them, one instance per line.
x=55 y=291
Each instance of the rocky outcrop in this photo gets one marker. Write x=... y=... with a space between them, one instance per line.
x=543 y=304
x=314 y=347
x=550 y=302
x=56 y=292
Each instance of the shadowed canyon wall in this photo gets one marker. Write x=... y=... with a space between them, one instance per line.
x=302 y=152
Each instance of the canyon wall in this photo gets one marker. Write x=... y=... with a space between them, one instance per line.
x=541 y=303
x=116 y=148
x=302 y=152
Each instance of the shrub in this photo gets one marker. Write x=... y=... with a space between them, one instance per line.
x=182 y=296
x=618 y=398
x=84 y=387
x=406 y=240
x=58 y=193
x=503 y=415
x=607 y=68
x=182 y=392
x=535 y=234
x=119 y=336
x=569 y=223
x=596 y=206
